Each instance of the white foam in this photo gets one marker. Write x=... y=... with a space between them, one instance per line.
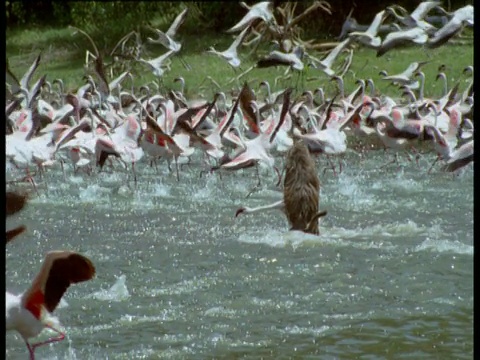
x=296 y=330
x=93 y=193
x=220 y=311
x=161 y=190
x=441 y=246
x=118 y=291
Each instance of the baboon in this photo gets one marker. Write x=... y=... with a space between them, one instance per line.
x=301 y=189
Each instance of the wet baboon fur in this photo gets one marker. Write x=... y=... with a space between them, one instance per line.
x=301 y=189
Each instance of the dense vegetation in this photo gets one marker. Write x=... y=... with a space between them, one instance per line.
x=122 y=16
x=42 y=28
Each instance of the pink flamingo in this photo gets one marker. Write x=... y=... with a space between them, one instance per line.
x=29 y=313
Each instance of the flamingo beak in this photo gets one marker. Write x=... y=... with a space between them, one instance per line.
x=239 y=211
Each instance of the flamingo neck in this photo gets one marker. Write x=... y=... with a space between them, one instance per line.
x=35 y=303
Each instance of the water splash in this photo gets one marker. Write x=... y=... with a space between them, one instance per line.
x=442 y=246
x=118 y=291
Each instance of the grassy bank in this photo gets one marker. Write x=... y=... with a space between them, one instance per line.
x=63 y=56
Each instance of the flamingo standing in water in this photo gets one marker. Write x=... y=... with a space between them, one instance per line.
x=256 y=150
x=123 y=144
x=29 y=313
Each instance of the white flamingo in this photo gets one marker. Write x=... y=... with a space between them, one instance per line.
x=29 y=312
x=230 y=55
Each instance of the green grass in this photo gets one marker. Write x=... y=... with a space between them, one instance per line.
x=63 y=56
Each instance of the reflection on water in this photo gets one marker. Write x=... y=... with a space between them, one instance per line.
x=178 y=276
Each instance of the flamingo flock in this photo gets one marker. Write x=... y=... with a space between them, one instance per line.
x=105 y=124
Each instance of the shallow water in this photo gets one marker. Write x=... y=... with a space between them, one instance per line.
x=178 y=276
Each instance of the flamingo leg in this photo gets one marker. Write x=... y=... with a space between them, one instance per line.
x=332 y=166
x=30 y=179
x=176 y=167
x=393 y=161
x=434 y=162
x=417 y=155
x=134 y=174
x=279 y=176
x=30 y=351
x=188 y=163
x=63 y=170
x=51 y=340
x=258 y=183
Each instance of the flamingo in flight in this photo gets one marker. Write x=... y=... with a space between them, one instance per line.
x=230 y=55
x=261 y=10
x=369 y=37
x=167 y=39
x=30 y=312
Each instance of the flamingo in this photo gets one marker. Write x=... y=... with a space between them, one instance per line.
x=256 y=150
x=326 y=64
x=369 y=37
x=350 y=24
x=460 y=158
x=275 y=58
x=23 y=84
x=29 y=312
x=280 y=205
x=397 y=38
x=123 y=143
x=167 y=38
x=19 y=147
x=442 y=145
x=415 y=19
x=156 y=64
x=461 y=17
x=405 y=77
x=261 y=10
x=230 y=55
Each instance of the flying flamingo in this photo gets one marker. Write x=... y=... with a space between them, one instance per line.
x=261 y=10
x=326 y=63
x=369 y=37
x=167 y=38
x=230 y=55
x=415 y=19
x=461 y=17
x=460 y=157
x=29 y=312
x=397 y=38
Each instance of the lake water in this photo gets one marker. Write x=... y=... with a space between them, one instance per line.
x=179 y=277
